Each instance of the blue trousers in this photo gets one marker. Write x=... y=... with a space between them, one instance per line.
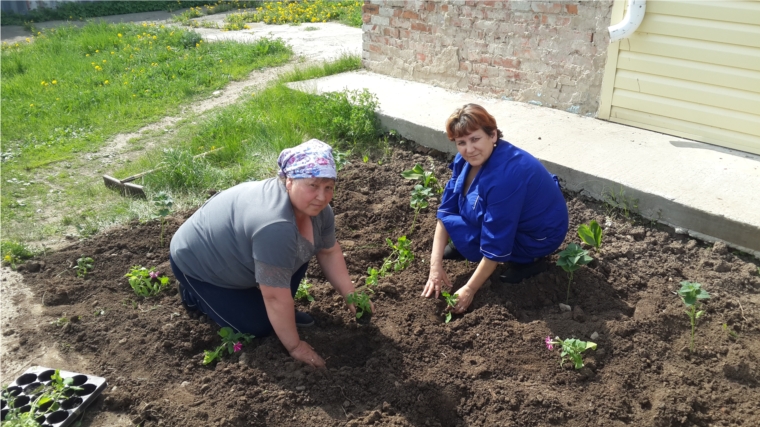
x=241 y=309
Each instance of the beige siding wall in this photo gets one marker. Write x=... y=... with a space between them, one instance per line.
x=691 y=69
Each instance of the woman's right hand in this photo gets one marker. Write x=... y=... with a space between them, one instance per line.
x=306 y=354
x=436 y=281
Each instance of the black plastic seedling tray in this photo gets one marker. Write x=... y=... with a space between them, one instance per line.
x=70 y=408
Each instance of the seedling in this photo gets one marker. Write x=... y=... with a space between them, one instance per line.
x=146 y=283
x=690 y=294
x=731 y=333
x=84 y=266
x=341 y=159
x=163 y=203
x=360 y=299
x=400 y=258
x=591 y=234
x=571 y=259
x=46 y=401
x=303 y=290
x=423 y=191
x=451 y=302
x=572 y=349
x=426 y=178
x=231 y=341
x=60 y=322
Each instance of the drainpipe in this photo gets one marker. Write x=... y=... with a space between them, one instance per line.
x=633 y=17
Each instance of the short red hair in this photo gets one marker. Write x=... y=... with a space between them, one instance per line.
x=469 y=119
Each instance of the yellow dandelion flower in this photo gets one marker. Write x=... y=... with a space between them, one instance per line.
x=28 y=40
x=133 y=95
x=42 y=83
x=125 y=82
x=105 y=82
x=104 y=61
x=87 y=54
x=38 y=33
x=58 y=99
x=197 y=45
x=220 y=60
x=119 y=35
x=112 y=53
x=154 y=37
x=31 y=105
x=55 y=82
x=97 y=51
x=144 y=24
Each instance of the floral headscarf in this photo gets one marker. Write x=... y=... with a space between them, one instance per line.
x=312 y=159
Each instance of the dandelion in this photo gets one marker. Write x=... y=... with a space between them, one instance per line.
x=119 y=35
x=104 y=61
x=87 y=54
x=31 y=105
x=55 y=82
x=111 y=52
x=220 y=60
x=197 y=45
x=549 y=343
x=105 y=82
x=238 y=346
x=28 y=40
x=97 y=50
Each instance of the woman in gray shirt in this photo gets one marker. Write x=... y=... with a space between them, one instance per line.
x=240 y=257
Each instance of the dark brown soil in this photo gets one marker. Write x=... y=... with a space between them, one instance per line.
x=406 y=367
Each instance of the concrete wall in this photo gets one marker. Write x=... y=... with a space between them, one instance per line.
x=546 y=53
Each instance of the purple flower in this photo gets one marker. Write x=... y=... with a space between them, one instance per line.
x=237 y=347
x=549 y=343
x=154 y=274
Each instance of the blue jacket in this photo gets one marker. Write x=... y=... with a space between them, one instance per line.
x=513 y=210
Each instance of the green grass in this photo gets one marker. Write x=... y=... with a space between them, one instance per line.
x=82 y=10
x=252 y=132
x=73 y=88
x=348 y=12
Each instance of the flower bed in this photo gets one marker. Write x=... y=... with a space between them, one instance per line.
x=490 y=366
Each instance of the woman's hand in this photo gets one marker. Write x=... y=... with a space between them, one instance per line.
x=436 y=281
x=464 y=298
x=306 y=354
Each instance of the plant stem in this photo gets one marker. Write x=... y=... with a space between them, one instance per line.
x=692 y=316
x=411 y=229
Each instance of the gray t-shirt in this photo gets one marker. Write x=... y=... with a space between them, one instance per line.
x=247 y=235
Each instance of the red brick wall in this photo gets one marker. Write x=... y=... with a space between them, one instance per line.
x=545 y=53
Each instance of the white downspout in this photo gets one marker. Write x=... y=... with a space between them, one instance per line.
x=633 y=17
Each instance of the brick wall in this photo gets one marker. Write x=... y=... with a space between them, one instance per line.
x=545 y=53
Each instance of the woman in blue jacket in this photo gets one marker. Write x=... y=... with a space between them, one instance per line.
x=500 y=206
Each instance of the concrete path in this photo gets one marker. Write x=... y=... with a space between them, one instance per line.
x=703 y=190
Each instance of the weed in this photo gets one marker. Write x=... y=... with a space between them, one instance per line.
x=571 y=259
x=690 y=294
x=591 y=234
x=572 y=349
x=146 y=283
x=84 y=266
x=231 y=341
x=303 y=290
x=348 y=12
x=731 y=333
x=60 y=322
x=451 y=302
x=14 y=252
x=163 y=205
x=619 y=202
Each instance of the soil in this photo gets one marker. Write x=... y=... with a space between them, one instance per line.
x=406 y=367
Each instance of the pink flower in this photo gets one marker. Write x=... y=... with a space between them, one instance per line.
x=154 y=274
x=549 y=343
x=237 y=347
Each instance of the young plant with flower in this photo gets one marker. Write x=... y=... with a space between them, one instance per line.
x=231 y=341
x=146 y=283
x=572 y=349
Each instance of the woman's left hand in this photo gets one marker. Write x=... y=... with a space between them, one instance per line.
x=464 y=298
x=352 y=308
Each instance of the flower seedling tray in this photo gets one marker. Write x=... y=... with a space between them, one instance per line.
x=70 y=407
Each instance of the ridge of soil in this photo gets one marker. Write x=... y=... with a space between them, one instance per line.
x=406 y=367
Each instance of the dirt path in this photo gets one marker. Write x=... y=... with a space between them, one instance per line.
x=19 y=310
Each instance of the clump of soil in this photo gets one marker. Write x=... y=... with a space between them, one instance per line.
x=408 y=368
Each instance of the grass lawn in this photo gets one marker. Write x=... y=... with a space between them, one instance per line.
x=67 y=91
